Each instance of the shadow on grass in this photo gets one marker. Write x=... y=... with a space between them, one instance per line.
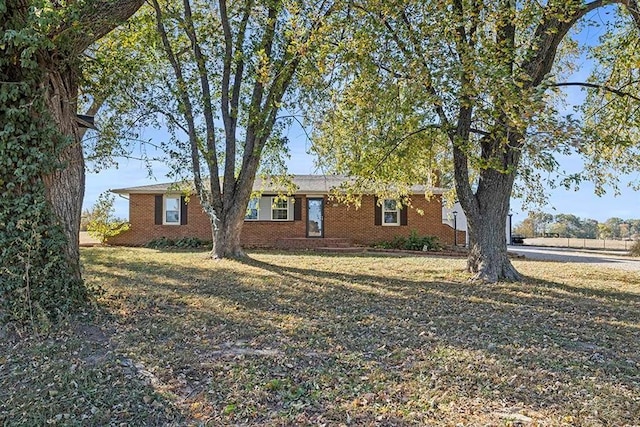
x=583 y=308
x=270 y=342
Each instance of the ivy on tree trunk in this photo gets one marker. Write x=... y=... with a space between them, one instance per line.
x=42 y=169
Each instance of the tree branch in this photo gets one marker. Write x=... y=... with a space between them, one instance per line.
x=209 y=154
x=547 y=41
x=437 y=104
x=550 y=33
x=92 y=21
x=237 y=77
x=206 y=201
x=634 y=11
x=460 y=137
x=257 y=110
x=599 y=87
x=399 y=142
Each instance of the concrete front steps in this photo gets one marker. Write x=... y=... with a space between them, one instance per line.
x=313 y=243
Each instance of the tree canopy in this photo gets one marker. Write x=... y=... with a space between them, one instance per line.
x=217 y=75
x=475 y=86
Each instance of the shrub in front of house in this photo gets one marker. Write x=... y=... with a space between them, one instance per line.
x=192 y=243
x=182 y=243
x=635 y=249
x=160 y=243
x=413 y=242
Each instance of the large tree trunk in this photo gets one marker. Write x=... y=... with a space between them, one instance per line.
x=488 y=207
x=226 y=233
x=65 y=187
x=488 y=259
x=226 y=241
x=44 y=170
x=227 y=216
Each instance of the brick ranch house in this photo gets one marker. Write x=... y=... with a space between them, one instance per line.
x=308 y=218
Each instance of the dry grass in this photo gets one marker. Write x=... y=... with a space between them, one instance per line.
x=308 y=339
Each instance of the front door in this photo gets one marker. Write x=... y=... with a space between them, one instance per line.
x=315 y=217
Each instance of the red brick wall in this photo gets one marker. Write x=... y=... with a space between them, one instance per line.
x=266 y=233
x=143 y=228
x=340 y=221
x=358 y=225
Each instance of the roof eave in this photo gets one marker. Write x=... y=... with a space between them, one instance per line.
x=436 y=190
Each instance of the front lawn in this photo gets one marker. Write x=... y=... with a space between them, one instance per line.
x=310 y=339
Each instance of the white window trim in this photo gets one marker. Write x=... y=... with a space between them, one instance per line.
x=273 y=209
x=164 y=209
x=257 y=208
x=396 y=210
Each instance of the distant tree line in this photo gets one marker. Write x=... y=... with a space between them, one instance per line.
x=541 y=224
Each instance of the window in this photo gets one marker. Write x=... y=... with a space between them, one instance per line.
x=279 y=209
x=172 y=210
x=390 y=212
x=252 y=210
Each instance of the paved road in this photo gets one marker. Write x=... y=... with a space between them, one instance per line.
x=608 y=259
